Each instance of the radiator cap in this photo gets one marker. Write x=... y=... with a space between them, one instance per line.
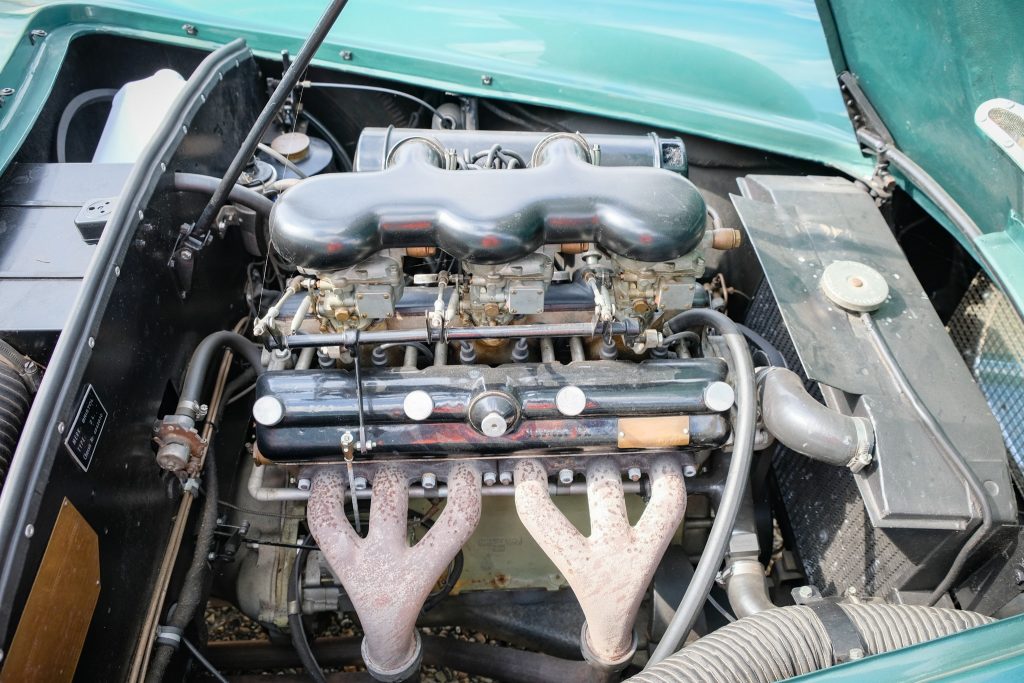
x=854 y=286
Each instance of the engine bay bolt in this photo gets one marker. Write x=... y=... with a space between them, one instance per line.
x=303 y=484
x=565 y=476
x=490 y=478
x=429 y=480
x=805 y=592
x=379 y=356
x=570 y=401
x=719 y=397
x=346 y=55
x=689 y=471
x=359 y=483
x=634 y=474
x=268 y=411
x=505 y=477
x=418 y=405
x=486 y=80
x=856 y=653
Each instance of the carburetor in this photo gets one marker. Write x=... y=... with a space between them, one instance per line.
x=583 y=211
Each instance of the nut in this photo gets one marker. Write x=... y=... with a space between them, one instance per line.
x=634 y=474
x=566 y=476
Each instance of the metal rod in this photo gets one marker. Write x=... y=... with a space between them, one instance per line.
x=348 y=337
x=266 y=117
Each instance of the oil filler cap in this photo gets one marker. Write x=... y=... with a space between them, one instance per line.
x=854 y=286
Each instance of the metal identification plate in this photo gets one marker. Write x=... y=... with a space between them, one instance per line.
x=86 y=428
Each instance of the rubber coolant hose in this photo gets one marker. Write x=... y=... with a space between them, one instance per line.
x=203 y=356
x=780 y=643
x=735 y=482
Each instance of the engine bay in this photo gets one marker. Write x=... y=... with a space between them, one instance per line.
x=625 y=401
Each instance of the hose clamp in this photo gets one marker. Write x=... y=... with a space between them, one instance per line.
x=865 y=444
x=844 y=637
x=169 y=636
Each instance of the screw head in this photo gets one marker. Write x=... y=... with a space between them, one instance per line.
x=189 y=29
x=805 y=592
x=186 y=254
x=346 y=55
x=566 y=476
x=634 y=474
x=347 y=438
x=490 y=478
x=856 y=653
x=486 y=80
x=429 y=480
x=30 y=531
x=505 y=477
x=690 y=471
x=304 y=484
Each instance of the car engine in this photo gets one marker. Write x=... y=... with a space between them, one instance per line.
x=618 y=401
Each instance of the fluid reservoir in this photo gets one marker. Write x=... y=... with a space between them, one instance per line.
x=137 y=111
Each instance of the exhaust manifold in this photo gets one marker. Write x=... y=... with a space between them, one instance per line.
x=610 y=569
x=386 y=579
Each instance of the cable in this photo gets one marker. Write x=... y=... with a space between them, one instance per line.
x=298 y=632
x=203 y=660
x=344 y=160
x=736 y=479
x=250 y=511
x=266 y=117
x=281 y=159
x=953 y=457
x=721 y=610
x=376 y=88
x=77 y=104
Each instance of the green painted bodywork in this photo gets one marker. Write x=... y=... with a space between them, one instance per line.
x=756 y=73
x=744 y=71
x=926 y=66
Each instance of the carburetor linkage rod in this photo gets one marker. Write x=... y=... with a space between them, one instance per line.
x=348 y=338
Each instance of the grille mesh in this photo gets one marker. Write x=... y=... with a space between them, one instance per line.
x=990 y=337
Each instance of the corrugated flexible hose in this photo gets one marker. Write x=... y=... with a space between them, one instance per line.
x=780 y=643
x=14 y=403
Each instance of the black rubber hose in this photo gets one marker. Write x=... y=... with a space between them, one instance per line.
x=192 y=590
x=77 y=104
x=781 y=643
x=240 y=194
x=298 y=632
x=203 y=356
x=281 y=93
x=344 y=160
x=736 y=479
x=14 y=403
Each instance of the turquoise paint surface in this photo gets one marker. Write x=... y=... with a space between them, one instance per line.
x=750 y=72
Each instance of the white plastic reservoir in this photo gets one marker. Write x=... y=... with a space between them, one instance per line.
x=135 y=114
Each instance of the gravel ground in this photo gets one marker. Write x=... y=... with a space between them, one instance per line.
x=224 y=622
